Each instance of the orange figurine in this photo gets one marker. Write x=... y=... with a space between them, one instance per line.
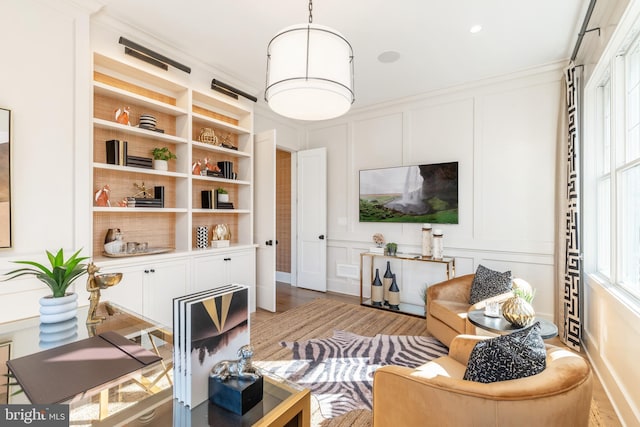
x=102 y=197
x=122 y=115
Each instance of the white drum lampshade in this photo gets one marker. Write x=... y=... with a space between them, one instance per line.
x=309 y=73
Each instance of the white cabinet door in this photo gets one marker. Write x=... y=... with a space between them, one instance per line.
x=241 y=270
x=209 y=272
x=215 y=270
x=127 y=293
x=164 y=281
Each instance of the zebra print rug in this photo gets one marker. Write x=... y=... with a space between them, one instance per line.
x=339 y=370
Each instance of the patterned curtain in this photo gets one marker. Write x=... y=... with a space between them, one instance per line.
x=567 y=257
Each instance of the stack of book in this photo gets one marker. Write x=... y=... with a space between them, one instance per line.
x=142 y=202
x=222 y=205
x=208 y=327
x=139 y=162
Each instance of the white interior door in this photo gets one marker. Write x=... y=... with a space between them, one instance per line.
x=312 y=219
x=264 y=218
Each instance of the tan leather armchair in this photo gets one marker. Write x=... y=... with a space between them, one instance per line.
x=436 y=395
x=447 y=307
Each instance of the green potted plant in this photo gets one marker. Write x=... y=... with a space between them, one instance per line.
x=161 y=157
x=60 y=305
x=392 y=248
x=223 y=195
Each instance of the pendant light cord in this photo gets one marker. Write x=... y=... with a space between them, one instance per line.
x=310 y=11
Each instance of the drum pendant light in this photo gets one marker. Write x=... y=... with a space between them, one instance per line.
x=309 y=72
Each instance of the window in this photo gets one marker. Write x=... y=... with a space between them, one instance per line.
x=616 y=173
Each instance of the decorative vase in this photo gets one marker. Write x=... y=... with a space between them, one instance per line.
x=202 y=237
x=160 y=165
x=54 y=310
x=386 y=283
x=377 y=290
x=394 y=295
x=427 y=240
x=438 y=246
x=518 y=312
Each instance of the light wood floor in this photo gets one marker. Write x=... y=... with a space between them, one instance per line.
x=289 y=297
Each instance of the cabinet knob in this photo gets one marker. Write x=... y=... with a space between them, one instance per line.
x=146 y=271
x=153 y=271
x=269 y=243
x=321 y=237
x=227 y=259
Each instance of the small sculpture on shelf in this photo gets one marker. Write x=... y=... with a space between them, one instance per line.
x=101 y=196
x=143 y=192
x=378 y=239
x=226 y=142
x=122 y=115
x=208 y=136
x=196 y=167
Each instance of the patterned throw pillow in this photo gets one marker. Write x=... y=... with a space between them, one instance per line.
x=508 y=357
x=488 y=283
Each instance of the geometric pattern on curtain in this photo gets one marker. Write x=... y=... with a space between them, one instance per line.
x=572 y=267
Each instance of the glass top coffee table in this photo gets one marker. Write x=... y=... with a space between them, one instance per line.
x=499 y=325
x=146 y=397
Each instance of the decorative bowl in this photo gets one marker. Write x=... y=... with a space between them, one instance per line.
x=114 y=247
x=107 y=280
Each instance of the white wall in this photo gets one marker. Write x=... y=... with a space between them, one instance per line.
x=503 y=134
x=44 y=42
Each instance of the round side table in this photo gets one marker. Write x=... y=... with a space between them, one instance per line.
x=499 y=325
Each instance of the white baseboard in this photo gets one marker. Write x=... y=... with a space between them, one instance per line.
x=283 y=277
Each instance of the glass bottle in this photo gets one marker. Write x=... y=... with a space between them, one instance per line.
x=427 y=240
x=394 y=295
x=438 y=247
x=386 y=282
x=377 y=290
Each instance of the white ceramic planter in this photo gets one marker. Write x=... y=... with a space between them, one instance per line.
x=161 y=165
x=55 y=334
x=53 y=310
x=224 y=198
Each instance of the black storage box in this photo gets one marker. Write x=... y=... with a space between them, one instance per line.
x=234 y=394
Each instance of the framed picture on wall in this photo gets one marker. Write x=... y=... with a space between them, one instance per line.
x=422 y=193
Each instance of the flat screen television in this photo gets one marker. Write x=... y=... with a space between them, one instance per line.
x=422 y=193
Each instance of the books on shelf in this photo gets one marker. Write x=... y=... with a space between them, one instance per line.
x=207 y=199
x=224 y=205
x=141 y=202
x=139 y=162
x=208 y=327
x=116 y=152
x=117 y=155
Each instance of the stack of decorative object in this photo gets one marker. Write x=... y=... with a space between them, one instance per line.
x=385 y=292
x=147 y=121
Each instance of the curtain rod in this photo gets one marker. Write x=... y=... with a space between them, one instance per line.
x=583 y=29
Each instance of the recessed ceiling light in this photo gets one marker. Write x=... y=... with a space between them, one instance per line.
x=388 y=56
x=476 y=29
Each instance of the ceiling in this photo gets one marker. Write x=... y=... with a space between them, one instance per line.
x=436 y=49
